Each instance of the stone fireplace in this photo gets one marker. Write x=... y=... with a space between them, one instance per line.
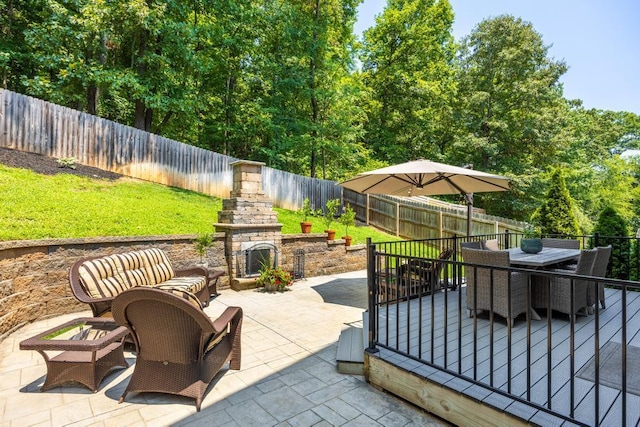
x=250 y=224
x=253 y=256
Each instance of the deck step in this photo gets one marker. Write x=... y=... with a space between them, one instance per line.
x=350 y=355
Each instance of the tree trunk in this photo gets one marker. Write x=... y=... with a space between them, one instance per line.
x=228 y=99
x=142 y=119
x=7 y=31
x=314 y=99
x=92 y=99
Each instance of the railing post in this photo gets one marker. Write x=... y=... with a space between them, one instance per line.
x=372 y=294
x=457 y=279
x=506 y=240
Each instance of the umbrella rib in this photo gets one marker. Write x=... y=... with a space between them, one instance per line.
x=408 y=181
x=505 y=188
x=442 y=176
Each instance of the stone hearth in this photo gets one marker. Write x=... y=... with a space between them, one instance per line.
x=247 y=218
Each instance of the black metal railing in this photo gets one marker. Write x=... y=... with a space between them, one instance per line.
x=539 y=363
x=624 y=263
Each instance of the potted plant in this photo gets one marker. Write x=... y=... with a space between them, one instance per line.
x=306 y=212
x=274 y=278
x=329 y=216
x=530 y=242
x=348 y=219
x=201 y=244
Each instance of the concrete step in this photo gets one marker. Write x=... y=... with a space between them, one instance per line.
x=350 y=355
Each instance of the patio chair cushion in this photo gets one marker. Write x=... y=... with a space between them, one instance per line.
x=102 y=277
x=193 y=284
x=182 y=293
x=158 y=266
x=136 y=268
x=491 y=245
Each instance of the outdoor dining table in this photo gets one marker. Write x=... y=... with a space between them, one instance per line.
x=545 y=258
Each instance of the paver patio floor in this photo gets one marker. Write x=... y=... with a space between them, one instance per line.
x=288 y=375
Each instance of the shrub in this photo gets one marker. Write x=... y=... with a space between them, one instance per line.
x=331 y=212
x=609 y=226
x=557 y=215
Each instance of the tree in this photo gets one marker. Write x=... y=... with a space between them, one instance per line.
x=305 y=59
x=15 y=60
x=609 y=228
x=510 y=109
x=407 y=67
x=557 y=213
x=596 y=174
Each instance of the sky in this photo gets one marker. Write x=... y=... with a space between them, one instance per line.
x=599 y=40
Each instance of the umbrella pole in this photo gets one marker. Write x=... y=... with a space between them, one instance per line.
x=469 y=198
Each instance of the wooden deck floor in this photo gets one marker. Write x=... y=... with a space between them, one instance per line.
x=437 y=342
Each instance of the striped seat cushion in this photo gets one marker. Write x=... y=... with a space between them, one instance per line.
x=182 y=293
x=102 y=277
x=193 y=284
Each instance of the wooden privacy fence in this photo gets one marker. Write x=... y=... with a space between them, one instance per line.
x=36 y=126
x=418 y=220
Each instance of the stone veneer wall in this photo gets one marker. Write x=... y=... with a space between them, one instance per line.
x=34 y=274
x=321 y=257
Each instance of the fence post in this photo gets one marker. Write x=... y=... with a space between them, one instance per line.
x=367 y=209
x=397 y=219
x=506 y=239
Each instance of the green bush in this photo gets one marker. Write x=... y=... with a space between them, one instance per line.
x=609 y=226
x=330 y=213
x=348 y=219
x=557 y=214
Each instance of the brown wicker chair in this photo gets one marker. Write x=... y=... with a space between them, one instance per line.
x=561 y=287
x=421 y=277
x=179 y=348
x=599 y=269
x=479 y=284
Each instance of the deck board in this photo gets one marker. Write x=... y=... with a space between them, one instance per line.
x=420 y=337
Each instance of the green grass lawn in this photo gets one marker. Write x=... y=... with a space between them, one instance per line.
x=35 y=206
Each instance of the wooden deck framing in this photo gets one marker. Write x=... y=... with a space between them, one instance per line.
x=530 y=366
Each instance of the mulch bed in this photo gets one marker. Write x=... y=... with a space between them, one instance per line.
x=49 y=165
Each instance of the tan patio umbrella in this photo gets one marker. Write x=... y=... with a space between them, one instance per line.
x=427 y=178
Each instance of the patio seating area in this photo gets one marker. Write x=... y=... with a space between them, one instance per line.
x=288 y=374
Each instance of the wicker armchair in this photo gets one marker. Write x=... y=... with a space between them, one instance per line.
x=549 y=242
x=179 y=348
x=561 y=287
x=509 y=288
x=599 y=269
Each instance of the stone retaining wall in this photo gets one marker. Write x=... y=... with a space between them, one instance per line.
x=34 y=279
